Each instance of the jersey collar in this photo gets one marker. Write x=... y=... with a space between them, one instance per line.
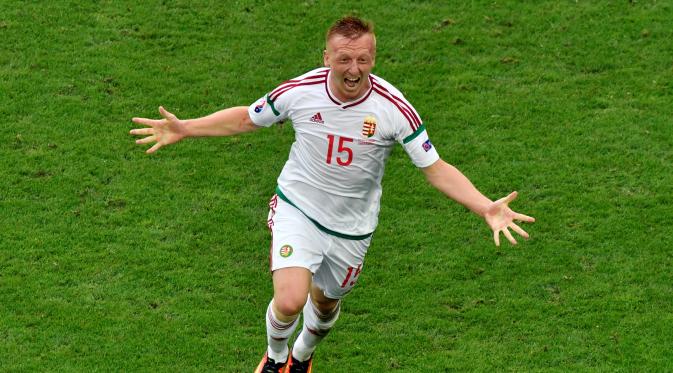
x=346 y=105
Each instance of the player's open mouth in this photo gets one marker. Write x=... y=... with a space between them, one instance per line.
x=351 y=82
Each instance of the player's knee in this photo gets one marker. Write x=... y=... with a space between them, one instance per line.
x=290 y=305
x=327 y=307
x=324 y=304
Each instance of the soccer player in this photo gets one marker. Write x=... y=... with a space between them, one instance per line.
x=325 y=209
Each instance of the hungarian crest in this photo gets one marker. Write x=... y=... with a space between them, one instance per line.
x=286 y=251
x=369 y=127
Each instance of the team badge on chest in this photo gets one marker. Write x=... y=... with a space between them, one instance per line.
x=369 y=127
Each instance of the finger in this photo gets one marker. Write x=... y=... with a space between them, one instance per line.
x=142 y=131
x=522 y=217
x=518 y=230
x=147 y=122
x=164 y=113
x=153 y=148
x=496 y=238
x=511 y=197
x=509 y=236
x=146 y=140
x=507 y=199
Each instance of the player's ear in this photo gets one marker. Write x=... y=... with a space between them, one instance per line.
x=372 y=50
x=325 y=58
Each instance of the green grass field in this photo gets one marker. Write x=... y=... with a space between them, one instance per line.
x=113 y=260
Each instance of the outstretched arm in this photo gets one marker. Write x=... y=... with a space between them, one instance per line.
x=450 y=181
x=170 y=129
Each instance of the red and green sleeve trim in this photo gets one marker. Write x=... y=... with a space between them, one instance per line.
x=273 y=108
x=414 y=135
x=320 y=226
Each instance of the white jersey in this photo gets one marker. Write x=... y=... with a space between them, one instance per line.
x=334 y=171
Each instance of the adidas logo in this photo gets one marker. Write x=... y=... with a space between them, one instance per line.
x=317 y=118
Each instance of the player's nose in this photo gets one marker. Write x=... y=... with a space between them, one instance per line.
x=353 y=68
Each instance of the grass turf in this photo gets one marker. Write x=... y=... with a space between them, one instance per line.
x=114 y=260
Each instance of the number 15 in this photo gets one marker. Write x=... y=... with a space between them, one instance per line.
x=342 y=148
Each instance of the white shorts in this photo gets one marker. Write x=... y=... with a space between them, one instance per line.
x=336 y=263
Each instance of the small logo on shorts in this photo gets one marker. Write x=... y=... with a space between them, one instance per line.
x=286 y=251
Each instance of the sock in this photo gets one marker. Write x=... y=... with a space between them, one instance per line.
x=277 y=335
x=316 y=326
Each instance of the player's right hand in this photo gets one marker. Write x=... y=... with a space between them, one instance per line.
x=164 y=131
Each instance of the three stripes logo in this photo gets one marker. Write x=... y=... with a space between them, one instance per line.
x=317 y=118
x=369 y=127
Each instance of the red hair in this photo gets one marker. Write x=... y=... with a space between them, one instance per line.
x=350 y=27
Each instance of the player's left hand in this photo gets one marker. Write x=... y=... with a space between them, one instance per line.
x=500 y=218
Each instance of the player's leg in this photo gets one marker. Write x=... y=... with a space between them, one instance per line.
x=293 y=258
x=290 y=291
x=334 y=279
x=320 y=315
